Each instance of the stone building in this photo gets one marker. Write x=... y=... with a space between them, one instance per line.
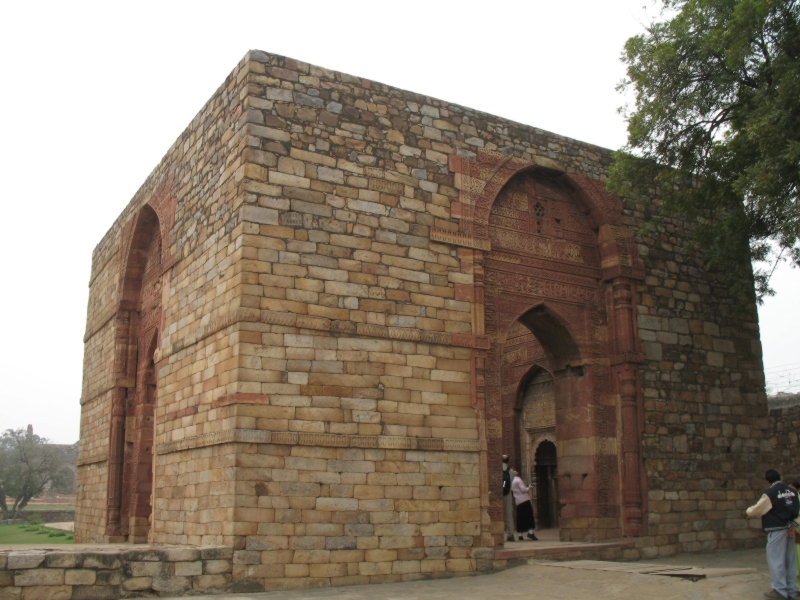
x=334 y=304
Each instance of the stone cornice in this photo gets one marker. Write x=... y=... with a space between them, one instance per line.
x=258 y=436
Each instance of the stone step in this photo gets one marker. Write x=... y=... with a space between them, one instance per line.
x=561 y=551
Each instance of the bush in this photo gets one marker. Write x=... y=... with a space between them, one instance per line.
x=57 y=533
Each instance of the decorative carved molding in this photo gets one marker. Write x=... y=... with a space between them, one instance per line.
x=258 y=436
x=537 y=245
x=460 y=239
x=539 y=288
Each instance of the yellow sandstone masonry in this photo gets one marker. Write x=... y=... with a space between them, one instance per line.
x=309 y=399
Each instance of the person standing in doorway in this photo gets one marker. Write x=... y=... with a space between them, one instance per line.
x=778 y=508
x=522 y=499
x=508 y=500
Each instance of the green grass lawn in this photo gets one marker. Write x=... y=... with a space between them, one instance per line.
x=38 y=507
x=17 y=534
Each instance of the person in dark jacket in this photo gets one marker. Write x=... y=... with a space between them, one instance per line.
x=796 y=486
x=778 y=508
x=508 y=500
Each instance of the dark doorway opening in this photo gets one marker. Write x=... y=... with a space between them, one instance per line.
x=547 y=485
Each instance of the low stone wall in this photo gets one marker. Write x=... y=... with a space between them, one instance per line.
x=90 y=574
x=49 y=516
x=43 y=516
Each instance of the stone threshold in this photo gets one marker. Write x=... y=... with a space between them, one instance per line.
x=560 y=550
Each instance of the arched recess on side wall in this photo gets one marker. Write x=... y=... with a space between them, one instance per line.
x=144 y=268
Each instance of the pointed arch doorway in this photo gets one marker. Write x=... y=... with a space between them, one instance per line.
x=551 y=253
x=537 y=443
x=542 y=377
x=139 y=321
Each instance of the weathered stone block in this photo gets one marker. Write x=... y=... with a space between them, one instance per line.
x=189 y=568
x=95 y=592
x=205 y=583
x=63 y=560
x=46 y=592
x=102 y=560
x=171 y=584
x=24 y=578
x=134 y=584
x=148 y=555
x=181 y=554
x=145 y=569
x=216 y=567
x=25 y=559
x=14 y=593
x=340 y=543
x=216 y=553
x=80 y=577
x=103 y=577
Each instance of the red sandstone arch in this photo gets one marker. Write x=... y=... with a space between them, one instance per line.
x=145 y=261
x=554 y=334
x=480 y=182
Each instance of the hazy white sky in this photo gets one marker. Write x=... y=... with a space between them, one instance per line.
x=94 y=94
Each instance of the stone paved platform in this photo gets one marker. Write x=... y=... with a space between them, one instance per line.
x=549 y=547
x=544 y=583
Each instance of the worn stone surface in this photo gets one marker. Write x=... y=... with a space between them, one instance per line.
x=24 y=560
x=557 y=583
x=52 y=574
x=318 y=315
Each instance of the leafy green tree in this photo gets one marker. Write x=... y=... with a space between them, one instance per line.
x=28 y=466
x=715 y=129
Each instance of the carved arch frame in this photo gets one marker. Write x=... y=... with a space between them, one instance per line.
x=163 y=203
x=479 y=181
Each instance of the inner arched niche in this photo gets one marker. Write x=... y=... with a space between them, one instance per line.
x=536 y=423
x=135 y=397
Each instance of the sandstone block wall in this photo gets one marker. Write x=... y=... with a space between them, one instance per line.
x=785 y=429
x=321 y=342
x=706 y=433
x=197 y=176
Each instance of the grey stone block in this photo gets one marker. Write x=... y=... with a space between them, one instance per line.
x=340 y=543
x=25 y=560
